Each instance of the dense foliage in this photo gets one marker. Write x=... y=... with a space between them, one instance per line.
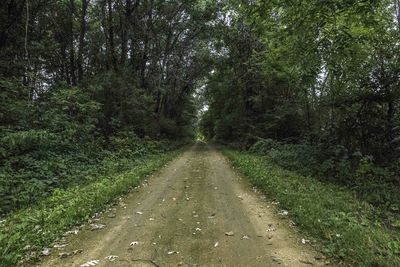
x=316 y=86
x=89 y=88
x=323 y=71
x=78 y=79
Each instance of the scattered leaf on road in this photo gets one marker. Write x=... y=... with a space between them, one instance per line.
x=46 y=252
x=283 y=212
x=95 y=226
x=230 y=233
x=77 y=251
x=306 y=262
x=60 y=245
x=63 y=255
x=216 y=244
x=90 y=263
x=75 y=232
x=111 y=258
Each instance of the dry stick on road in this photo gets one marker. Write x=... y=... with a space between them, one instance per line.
x=195 y=211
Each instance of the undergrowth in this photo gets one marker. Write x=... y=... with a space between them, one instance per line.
x=24 y=233
x=347 y=228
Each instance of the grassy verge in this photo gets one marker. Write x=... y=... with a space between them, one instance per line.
x=27 y=231
x=347 y=229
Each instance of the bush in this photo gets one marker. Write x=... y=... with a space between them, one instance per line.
x=358 y=173
x=263 y=146
x=15 y=143
x=36 y=162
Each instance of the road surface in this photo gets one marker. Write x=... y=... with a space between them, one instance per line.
x=196 y=211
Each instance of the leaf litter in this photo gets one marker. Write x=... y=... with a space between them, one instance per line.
x=90 y=263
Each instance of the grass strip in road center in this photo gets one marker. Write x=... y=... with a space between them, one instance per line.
x=347 y=229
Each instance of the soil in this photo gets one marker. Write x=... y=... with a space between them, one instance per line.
x=196 y=211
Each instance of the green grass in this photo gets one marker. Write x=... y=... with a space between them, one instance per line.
x=347 y=229
x=41 y=224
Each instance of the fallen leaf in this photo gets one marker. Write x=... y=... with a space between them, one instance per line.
x=306 y=262
x=139 y=212
x=95 y=226
x=77 y=251
x=64 y=255
x=245 y=237
x=216 y=244
x=283 y=212
x=60 y=245
x=72 y=232
x=111 y=258
x=134 y=243
x=90 y=263
x=46 y=252
x=230 y=233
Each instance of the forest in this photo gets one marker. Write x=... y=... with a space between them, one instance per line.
x=91 y=90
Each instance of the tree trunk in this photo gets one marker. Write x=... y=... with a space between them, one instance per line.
x=72 y=65
x=113 y=59
x=125 y=30
x=82 y=34
x=396 y=4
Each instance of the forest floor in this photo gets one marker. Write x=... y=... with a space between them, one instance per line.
x=196 y=211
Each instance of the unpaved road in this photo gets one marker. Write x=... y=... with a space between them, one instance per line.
x=194 y=212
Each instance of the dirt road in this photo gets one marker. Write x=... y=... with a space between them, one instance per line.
x=195 y=212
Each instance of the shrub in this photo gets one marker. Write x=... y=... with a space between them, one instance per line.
x=263 y=146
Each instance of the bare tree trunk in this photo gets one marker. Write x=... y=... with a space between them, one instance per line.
x=149 y=28
x=308 y=112
x=397 y=10
x=64 y=63
x=71 y=44
x=113 y=59
x=82 y=34
x=126 y=20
